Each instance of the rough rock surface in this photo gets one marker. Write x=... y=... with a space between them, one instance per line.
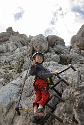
x=39 y=43
x=55 y=40
x=77 y=40
x=16 y=85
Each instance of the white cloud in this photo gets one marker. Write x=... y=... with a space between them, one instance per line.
x=18 y=14
x=38 y=15
x=66 y=22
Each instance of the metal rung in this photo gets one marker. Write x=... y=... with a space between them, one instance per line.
x=50 y=106
x=63 y=80
x=73 y=68
x=56 y=84
x=49 y=99
x=60 y=94
x=59 y=119
x=67 y=69
x=56 y=95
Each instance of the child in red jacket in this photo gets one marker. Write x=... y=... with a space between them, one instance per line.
x=40 y=84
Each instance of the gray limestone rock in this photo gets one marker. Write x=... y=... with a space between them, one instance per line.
x=40 y=43
x=55 y=40
x=77 y=40
x=16 y=85
x=4 y=36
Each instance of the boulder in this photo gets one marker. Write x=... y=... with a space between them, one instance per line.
x=61 y=49
x=75 y=57
x=55 y=40
x=11 y=32
x=39 y=43
x=4 y=36
x=77 y=41
x=3 y=48
x=52 y=57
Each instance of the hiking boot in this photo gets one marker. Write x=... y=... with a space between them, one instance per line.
x=40 y=111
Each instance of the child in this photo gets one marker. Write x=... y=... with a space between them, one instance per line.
x=40 y=84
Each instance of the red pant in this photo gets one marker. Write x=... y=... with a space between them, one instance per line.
x=41 y=95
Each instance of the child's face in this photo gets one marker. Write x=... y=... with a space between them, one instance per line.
x=39 y=58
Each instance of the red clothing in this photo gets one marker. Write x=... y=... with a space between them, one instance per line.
x=41 y=95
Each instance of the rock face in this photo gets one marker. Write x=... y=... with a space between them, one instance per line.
x=16 y=85
x=55 y=40
x=39 y=43
x=77 y=40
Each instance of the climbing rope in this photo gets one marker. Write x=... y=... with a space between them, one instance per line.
x=18 y=108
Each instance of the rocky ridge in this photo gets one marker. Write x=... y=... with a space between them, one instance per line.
x=16 y=85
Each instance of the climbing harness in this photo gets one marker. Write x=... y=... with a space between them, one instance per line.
x=58 y=95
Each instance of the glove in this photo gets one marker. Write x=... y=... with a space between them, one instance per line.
x=55 y=73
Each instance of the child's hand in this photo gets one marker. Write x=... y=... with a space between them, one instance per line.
x=33 y=62
x=55 y=73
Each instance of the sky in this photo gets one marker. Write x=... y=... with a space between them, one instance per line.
x=48 y=17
